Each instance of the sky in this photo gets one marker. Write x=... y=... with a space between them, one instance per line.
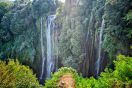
x=62 y=1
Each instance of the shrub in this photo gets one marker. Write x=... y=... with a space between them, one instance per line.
x=121 y=77
x=123 y=67
x=52 y=83
x=15 y=75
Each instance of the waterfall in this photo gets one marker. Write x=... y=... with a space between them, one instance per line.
x=100 y=47
x=42 y=49
x=50 y=59
x=48 y=64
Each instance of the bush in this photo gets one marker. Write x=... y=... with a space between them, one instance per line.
x=15 y=75
x=121 y=77
x=52 y=83
x=123 y=68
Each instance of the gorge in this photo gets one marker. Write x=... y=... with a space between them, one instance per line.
x=86 y=35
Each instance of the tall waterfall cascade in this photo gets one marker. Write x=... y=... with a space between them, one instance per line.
x=50 y=59
x=98 y=62
x=42 y=49
x=48 y=63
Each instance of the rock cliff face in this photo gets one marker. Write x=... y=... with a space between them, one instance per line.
x=79 y=23
x=84 y=30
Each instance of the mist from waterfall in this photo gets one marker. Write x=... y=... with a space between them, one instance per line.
x=98 y=62
x=50 y=59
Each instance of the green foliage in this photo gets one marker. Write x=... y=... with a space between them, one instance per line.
x=3 y=9
x=128 y=19
x=53 y=83
x=121 y=77
x=75 y=45
x=19 y=34
x=123 y=68
x=117 y=31
x=128 y=16
x=70 y=49
x=19 y=30
x=67 y=45
x=15 y=75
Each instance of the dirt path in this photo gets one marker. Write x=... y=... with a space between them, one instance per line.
x=66 y=81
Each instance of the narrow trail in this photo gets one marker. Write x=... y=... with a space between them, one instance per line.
x=66 y=81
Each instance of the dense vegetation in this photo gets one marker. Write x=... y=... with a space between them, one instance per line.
x=53 y=83
x=80 y=25
x=15 y=75
x=120 y=77
x=76 y=40
x=20 y=29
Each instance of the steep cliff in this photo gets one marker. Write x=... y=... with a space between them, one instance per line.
x=92 y=34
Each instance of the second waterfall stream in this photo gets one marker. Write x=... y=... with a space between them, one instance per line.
x=98 y=62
